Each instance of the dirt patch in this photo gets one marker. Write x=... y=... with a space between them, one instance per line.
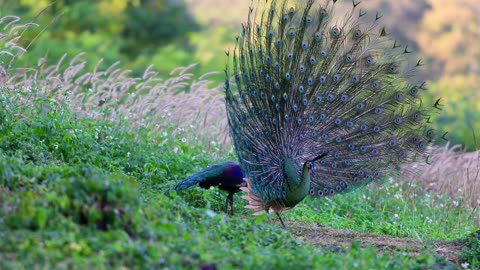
x=340 y=240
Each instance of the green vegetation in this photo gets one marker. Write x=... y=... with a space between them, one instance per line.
x=168 y=34
x=87 y=153
x=84 y=193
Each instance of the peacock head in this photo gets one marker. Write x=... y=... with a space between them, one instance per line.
x=309 y=165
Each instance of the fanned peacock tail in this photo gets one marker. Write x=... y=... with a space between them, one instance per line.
x=306 y=84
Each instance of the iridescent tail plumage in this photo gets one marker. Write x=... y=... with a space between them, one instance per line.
x=306 y=83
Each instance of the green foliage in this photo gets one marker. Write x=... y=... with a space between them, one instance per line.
x=460 y=115
x=390 y=209
x=73 y=196
x=130 y=31
x=471 y=253
x=82 y=193
x=154 y=24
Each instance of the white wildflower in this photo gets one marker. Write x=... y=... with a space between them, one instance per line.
x=210 y=213
x=429 y=220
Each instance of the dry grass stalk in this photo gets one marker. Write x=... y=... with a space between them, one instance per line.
x=175 y=103
x=454 y=172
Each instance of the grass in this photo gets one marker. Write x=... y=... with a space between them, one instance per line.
x=84 y=193
x=84 y=165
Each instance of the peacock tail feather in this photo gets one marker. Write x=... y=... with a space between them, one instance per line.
x=305 y=84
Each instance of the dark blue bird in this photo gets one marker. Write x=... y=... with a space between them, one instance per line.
x=227 y=176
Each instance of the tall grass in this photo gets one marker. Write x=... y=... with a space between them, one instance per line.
x=171 y=119
x=453 y=172
x=179 y=106
x=170 y=104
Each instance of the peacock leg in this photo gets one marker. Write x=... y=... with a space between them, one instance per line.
x=281 y=221
x=229 y=201
x=226 y=204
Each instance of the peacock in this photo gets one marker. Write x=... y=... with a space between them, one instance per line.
x=319 y=105
x=227 y=176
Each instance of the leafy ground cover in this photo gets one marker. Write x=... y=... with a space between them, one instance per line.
x=87 y=193
x=87 y=155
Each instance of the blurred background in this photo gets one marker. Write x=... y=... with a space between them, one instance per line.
x=168 y=34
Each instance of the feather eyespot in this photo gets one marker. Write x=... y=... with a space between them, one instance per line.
x=323 y=13
x=357 y=34
x=291 y=12
x=323 y=79
x=355 y=79
x=279 y=43
x=393 y=69
x=369 y=61
x=309 y=20
x=270 y=35
x=335 y=32
x=302 y=68
x=349 y=58
x=291 y=33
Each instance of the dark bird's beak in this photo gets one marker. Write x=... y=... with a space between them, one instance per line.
x=319 y=157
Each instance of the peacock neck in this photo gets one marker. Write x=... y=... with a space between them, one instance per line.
x=297 y=186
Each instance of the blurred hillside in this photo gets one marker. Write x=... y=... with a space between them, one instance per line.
x=445 y=34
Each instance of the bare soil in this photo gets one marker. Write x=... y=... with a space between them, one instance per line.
x=340 y=240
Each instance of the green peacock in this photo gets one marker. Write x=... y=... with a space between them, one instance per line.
x=319 y=105
x=227 y=176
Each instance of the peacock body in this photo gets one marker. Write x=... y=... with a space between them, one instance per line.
x=318 y=105
x=227 y=176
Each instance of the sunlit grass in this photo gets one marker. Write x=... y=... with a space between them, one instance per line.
x=81 y=192
x=85 y=161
